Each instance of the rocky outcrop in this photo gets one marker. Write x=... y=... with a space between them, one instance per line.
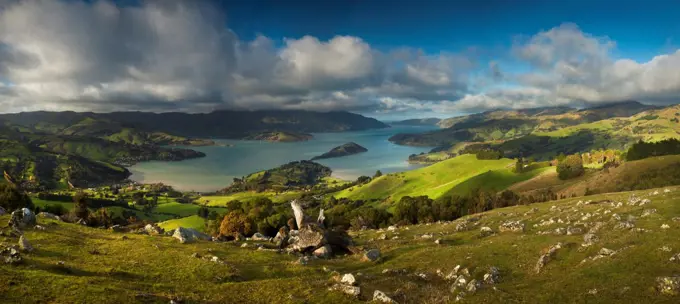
x=189 y=235
x=22 y=219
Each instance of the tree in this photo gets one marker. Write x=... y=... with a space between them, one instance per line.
x=80 y=209
x=235 y=223
x=12 y=198
x=203 y=212
x=101 y=217
x=363 y=179
x=519 y=165
x=377 y=174
x=570 y=167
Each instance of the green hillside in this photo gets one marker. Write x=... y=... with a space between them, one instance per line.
x=440 y=179
x=623 y=265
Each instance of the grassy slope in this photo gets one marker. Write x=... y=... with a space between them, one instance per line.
x=246 y=196
x=439 y=179
x=193 y=221
x=154 y=269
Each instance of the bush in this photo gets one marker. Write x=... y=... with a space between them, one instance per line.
x=80 y=209
x=101 y=217
x=570 y=167
x=12 y=198
x=56 y=209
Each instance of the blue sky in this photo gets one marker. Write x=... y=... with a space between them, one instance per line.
x=389 y=59
x=641 y=28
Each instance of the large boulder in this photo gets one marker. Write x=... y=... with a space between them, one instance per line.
x=50 y=216
x=22 y=219
x=259 y=237
x=153 y=229
x=372 y=255
x=189 y=235
x=308 y=238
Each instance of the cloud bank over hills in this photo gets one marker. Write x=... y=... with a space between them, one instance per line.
x=182 y=56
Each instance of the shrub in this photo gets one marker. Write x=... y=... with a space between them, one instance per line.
x=80 y=209
x=101 y=217
x=56 y=209
x=570 y=167
x=12 y=198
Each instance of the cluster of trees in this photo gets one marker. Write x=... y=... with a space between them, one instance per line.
x=641 y=150
x=12 y=198
x=570 y=167
x=245 y=218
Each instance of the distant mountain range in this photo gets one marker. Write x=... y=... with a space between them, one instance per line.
x=417 y=122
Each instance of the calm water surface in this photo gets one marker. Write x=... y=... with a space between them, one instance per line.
x=222 y=164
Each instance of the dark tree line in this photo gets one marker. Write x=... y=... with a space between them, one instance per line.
x=641 y=150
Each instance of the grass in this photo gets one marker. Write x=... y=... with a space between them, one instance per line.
x=155 y=269
x=434 y=181
x=246 y=196
x=193 y=221
x=496 y=180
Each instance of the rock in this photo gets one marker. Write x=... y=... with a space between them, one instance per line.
x=24 y=244
x=665 y=249
x=438 y=241
x=589 y=239
x=259 y=237
x=153 y=229
x=2 y=211
x=472 y=286
x=607 y=252
x=624 y=225
x=307 y=238
x=48 y=215
x=11 y=256
x=574 y=230
x=668 y=285
x=648 y=212
x=244 y=245
x=461 y=227
x=493 y=276
x=189 y=235
x=196 y=255
x=323 y=252
x=22 y=219
x=514 y=226
x=349 y=279
x=665 y=226
x=427 y=236
x=379 y=296
x=485 y=231
x=118 y=228
x=347 y=289
x=546 y=257
x=592 y=291
x=303 y=260
x=81 y=222
x=372 y=255
x=382 y=237
x=392 y=228
x=675 y=258
x=282 y=235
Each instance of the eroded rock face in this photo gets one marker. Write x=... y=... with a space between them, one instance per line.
x=189 y=235
x=22 y=219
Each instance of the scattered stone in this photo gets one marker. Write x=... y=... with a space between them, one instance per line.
x=427 y=236
x=2 y=211
x=153 y=229
x=473 y=286
x=189 y=235
x=196 y=255
x=665 y=249
x=665 y=226
x=259 y=237
x=666 y=190
x=323 y=252
x=485 y=231
x=47 y=215
x=675 y=258
x=349 y=279
x=590 y=239
x=379 y=296
x=607 y=252
x=493 y=276
x=372 y=255
x=574 y=230
x=392 y=228
x=438 y=241
x=303 y=260
x=648 y=212
x=624 y=225
x=676 y=219
x=11 y=255
x=616 y=217
x=546 y=257
x=461 y=227
x=25 y=245
x=592 y=291
x=668 y=285
x=347 y=289
x=560 y=231
x=514 y=226
x=382 y=237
